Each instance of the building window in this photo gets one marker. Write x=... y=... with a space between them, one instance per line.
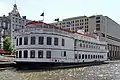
x=97 y=17
x=41 y=40
x=17 y=42
x=79 y=56
x=48 y=54
x=20 y=54
x=75 y=56
x=63 y=42
x=49 y=41
x=32 y=54
x=20 y=41
x=55 y=41
x=25 y=40
x=33 y=40
x=97 y=29
x=72 y=21
x=16 y=54
x=97 y=25
x=40 y=54
x=98 y=21
x=76 y=21
x=25 y=54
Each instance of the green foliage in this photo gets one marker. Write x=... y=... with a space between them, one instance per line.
x=7 y=46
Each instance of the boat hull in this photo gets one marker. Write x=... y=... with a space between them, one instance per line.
x=52 y=65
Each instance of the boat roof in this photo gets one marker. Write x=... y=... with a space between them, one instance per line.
x=57 y=27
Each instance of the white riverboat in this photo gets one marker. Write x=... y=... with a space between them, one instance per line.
x=48 y=45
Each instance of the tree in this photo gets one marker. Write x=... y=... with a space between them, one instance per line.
x=7 y=46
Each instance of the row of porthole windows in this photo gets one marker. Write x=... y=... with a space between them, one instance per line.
x=88 y=56
x=32 y=54
x=40 y=41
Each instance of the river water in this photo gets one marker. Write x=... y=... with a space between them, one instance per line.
x=109 y=71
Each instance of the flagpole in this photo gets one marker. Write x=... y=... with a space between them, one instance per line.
x=43 y=16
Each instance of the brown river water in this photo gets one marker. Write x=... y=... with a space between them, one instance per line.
x=109 y=71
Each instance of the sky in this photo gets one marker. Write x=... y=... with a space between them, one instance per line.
x=62 y=8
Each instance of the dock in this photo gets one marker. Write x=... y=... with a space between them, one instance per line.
x=6 y=61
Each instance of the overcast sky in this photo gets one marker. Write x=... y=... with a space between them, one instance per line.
x=62 y=8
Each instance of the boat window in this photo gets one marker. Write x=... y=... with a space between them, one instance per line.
x=84 y=45
x=17 y=42
x=80 y=44
x=20 y=54
x=16 y=54
x=41 y=40
x=25 y=54
x=89 y=56
x=82 y=56
x=32 y=54
x=49 y=41
x=102 y=56
x=20 y=41
x=33 y=40
x=40 y=54
x=94 y=56
x=63 y=42
x=64 y=53
x=56 y=41
x=48 y=54
x=85 y=56
x=75 y=56
x=79 y=56
x=25 y=40
x=98 y=56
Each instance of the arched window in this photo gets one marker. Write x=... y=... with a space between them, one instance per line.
x=25 y=40
x=25 y=54
x=32 y=54
x=20 y=41
x=16 y=54
x=48 y=54
x=33 y=39
x=40 y=54
x=20 y=54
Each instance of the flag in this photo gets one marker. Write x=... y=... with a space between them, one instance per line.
x=57 y=19
x=42 y=14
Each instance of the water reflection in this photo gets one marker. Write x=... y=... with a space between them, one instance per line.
x=101 y=72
